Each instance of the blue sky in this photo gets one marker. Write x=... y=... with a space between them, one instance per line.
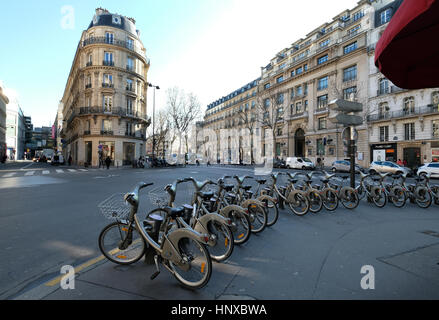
x=208 y=47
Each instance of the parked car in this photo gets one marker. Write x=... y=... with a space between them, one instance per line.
x=432 y=168
x=299 y=163
x=388 y=166
x=344 y=166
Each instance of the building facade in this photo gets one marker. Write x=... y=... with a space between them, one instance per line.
x=336 y=61
x=104 y=102
x=402 y=124
x=3 y=102
x=15 y=131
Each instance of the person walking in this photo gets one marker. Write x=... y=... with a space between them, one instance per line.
x=70 y=160
x=108 y=162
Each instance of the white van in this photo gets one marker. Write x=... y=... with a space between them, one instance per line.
x=299 y=163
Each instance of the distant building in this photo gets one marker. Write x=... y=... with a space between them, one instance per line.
x=3 y=102
x=15 y=131
x=104 y=102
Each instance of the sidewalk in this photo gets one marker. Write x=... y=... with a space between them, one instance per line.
x=312 y=257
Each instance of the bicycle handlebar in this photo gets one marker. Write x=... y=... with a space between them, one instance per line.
x=133 y=196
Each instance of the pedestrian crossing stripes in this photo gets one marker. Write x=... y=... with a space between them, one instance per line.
x=10 y=174
x=29 y=173
x=46 y=172
x=42 y=172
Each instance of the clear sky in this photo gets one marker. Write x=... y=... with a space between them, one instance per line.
x=208 y=47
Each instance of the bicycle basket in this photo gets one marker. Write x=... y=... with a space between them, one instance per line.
x=159 y=197
x=115 y=207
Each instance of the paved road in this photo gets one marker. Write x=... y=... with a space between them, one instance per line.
x=50 y=220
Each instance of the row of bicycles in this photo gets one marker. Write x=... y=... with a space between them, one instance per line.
x=217 y=215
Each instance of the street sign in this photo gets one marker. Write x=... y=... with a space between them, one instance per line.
x=346 y=119
x=345 y=105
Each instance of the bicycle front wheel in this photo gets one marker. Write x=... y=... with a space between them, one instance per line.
x=330 y=199
x=379 y=198
x=315 y=201
x=298 y=203
x=240 y=226
x=222 y=241
x=398 y=197
x=272 y=211
x=121 y=243
x=258 y=218
x=196 y=274
x=350 y=199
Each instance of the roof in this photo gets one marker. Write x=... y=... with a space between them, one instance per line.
x=115 y=21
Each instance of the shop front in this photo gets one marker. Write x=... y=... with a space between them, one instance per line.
x=384 y=152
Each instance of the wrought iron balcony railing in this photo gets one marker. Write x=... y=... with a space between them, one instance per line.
x=429 y=109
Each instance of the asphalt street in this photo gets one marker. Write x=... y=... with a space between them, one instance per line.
x=50 y=218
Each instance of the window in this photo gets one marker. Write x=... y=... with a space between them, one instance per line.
x=354 y=30
x=279 y=131
x=350 y=47
x=88 y=82
x=266 y=115
x=305 y=106
x=107 y=103
x=305 y=89
x=385 y=16
x=350 y=73
x=322 y=83
x=128 y=129
x=350 y=93
x=109 y=37
x=108 y=80
x=299 y=91
x=383 y=110
x=384 y=86
x=107 y=125
x=320 y=147
x=322 y=123
x=435 y=98
x=305 y=67
x=129 y=106
x=108 y=58
x=253 y=104
x=409 y=131
x=267 y=86
x=384 y=133
x=130 y=43
x=324 y=43
x=299 y=107
x=88 y=101
x=322 y=101
x=357 y=15
x=293 y=73
x=322 y=59
x=89 y=60
x=267 y=103
x=130 y=64
x=130 y=85
x=280 y=113
x=409 y=105
x=280 y=79
x=299 y=70
x=280 y=98
x=435 y=129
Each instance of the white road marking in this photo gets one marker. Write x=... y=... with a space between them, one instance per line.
x=29 y=173
x=46 y=172
x=59 y=170
x=83 y=170
x=27 y=166
x=10 y=174
x=72 y=170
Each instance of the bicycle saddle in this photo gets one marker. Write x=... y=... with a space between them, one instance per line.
x=261 y=181
x=246 y=187
x=205 y=195
x=176 y=212
x=228 y=187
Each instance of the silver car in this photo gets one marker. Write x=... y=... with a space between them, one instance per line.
x=388 y=166
x=344 y=166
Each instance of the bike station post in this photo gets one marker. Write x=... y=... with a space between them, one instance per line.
x=342 y=112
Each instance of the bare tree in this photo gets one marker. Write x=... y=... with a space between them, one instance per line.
x=248 y=117
x=182 y=109
x=271 y=111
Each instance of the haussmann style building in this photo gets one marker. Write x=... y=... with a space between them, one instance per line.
x=104 y=110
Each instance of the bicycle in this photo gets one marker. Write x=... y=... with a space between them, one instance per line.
x=182 y=252
x=418 y=192
x=337 y=192
x=374 y=191
x=313 y=195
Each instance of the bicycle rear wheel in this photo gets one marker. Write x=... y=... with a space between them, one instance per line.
x=330 y=199
x=379 y=198
x=240 y=226
x=315 y=201
x=197 y=273
x=350 y=199
x=121 y=244
x=298 y=203
x=272 y=212
x=398 y=197
x=423 y=197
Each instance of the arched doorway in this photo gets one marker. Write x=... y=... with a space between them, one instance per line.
x=299 y=143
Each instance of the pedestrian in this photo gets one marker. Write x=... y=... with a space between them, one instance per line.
x=404 y=163
x=400 y=163
x=318 y=162
x=70 y=160
x=108 y=162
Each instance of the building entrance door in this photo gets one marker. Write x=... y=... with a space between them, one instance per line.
x=413 y=157
x=299 y=143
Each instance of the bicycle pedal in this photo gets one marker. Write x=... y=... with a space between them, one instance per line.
x=154 y=275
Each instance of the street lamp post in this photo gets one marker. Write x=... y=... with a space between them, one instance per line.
x=153 y=121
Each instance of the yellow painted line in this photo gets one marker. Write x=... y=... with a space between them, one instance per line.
x=85 y=265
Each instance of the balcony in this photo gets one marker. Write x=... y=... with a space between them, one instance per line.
x=108 y=63
x=107 y=85
x=429 y=109
x=121 y=112
x=321 y=109
x=88 y=86
x=299 y=115
x=116 y=42
x=88 y=64
x=87 y=133
x=107 y=133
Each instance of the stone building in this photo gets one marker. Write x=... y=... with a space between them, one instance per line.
x=104 y=102
x=3 y=102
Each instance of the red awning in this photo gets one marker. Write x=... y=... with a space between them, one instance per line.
x=408 y=51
